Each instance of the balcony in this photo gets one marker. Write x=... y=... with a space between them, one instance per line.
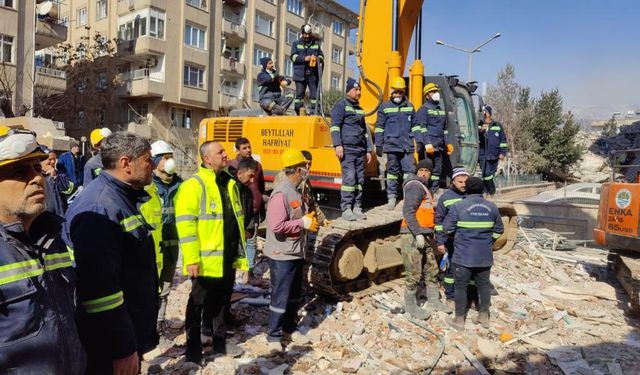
x=233 y=26
x=229 y=98
x=142 y=83
x=235 y=3
x=140 y=48
x=49 y=33
x=232 y=66
x=51 y=80
x=128 y=6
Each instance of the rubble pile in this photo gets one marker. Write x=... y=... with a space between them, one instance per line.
x=628 y=138
x=556 y=312
x=593 y=166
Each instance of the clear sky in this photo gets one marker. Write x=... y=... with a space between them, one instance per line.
x=588 y=49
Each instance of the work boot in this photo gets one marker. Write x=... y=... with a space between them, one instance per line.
x=278 y=110
x=357 y=211
x=483 y=320
x=411 y=306
x=348 y=215
x=433 y=299
x=391 y=203
x=456 y=322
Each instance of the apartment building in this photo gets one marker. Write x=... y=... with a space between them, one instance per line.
x=26 y=29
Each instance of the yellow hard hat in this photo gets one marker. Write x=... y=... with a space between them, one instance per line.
x=429 y=87
x=97 y=135
x=398 y=83
x=18 y=144
x=292 y=157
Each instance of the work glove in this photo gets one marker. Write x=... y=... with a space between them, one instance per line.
x=420 y=241
x=444 y=262
x=379 y=151
x=449 y=149
x=429 y=149
x=310 y=222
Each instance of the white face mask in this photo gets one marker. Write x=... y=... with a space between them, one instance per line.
x=397 y=100
x=435 y=97
x=170 y=166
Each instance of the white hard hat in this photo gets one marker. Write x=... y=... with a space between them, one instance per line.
x=160 y=148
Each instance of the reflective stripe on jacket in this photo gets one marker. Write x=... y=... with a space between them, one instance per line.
x=418 y=209
x=151 y=210
x=432 y=119
x=348 y=127
x=394 y=127
x=200 y=222
x=449 y=198
x=493 y=141
x=299 y=50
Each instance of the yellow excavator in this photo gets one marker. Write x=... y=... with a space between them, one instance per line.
x=348 y=256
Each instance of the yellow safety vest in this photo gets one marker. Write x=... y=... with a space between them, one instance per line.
x=199 y=220
x=151 y=211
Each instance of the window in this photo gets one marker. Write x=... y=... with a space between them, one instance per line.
x=295 y=7
x=6 y=3
x=81 y=17
x=65 y=21
x=264 y=25
x=292 y=35
x=101 y=9
x=181 y=118
x=335 y=81
x=193 y=77
x=231 y=52
x=101 y=83
x=288 y=66
x=194 y=36
x=255 y=92
x=336 y=55
x=202 y=4
x=6 y=48
x=137 y=111
x=259 y=54
x=137 y=27
x=231 y=88
x=156 y=24
x=338 y=27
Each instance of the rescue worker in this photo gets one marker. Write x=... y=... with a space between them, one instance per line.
x=37 y=280
x=287 y=220
x=270 y=85
x=258 y=189
x=246 y=175
x=417 y=243
x=71 y=163
x=166 y=182
x=58 y=187
x=94 y=166
x=394 y=136
x=444 y=243
x=115 y=259
x=210 y=225
x=432 y=119
x=493 y=148
x=352 y=142
x=306 y=54
x=475 y=224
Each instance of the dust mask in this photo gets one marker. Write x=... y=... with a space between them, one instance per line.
x=397 y=100
x=435 y=97
x=170 y=166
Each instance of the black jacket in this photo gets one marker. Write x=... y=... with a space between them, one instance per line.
x=38 y=334
x=116 y=265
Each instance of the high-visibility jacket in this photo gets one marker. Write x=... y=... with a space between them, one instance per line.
x=151 y=211
x=394 y=127
x=38 y=333
x=200 y=222
x=449 y=198
x=418 y=209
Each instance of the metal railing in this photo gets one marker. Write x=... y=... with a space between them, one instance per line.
x=630 y=170
x=51 y=72
x=134 y=75
x=233 y=18
x=230 y=92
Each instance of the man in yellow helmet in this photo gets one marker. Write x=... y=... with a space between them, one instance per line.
x=432 y=119
x=211 y=233
x=94 y=166
x=394 y=136
x=37 y=306
x=287 y=220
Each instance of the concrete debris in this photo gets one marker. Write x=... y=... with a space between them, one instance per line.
x=550 y=316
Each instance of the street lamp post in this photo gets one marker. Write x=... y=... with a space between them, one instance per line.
x=469 y=52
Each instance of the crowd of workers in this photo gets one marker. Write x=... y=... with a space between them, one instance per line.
x=89 y=292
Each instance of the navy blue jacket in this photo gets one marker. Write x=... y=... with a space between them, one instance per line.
x=445 y=202
x=476 y=224
x=269 y=83
x=116 y=266
x=38 y=333
x=432 y=119
x=72 y=166
x=167 y=193
x=56 y=191
x=348 y=128
x=493 y=141
x=299 y=50
x=394 y=127
x=92 y=169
